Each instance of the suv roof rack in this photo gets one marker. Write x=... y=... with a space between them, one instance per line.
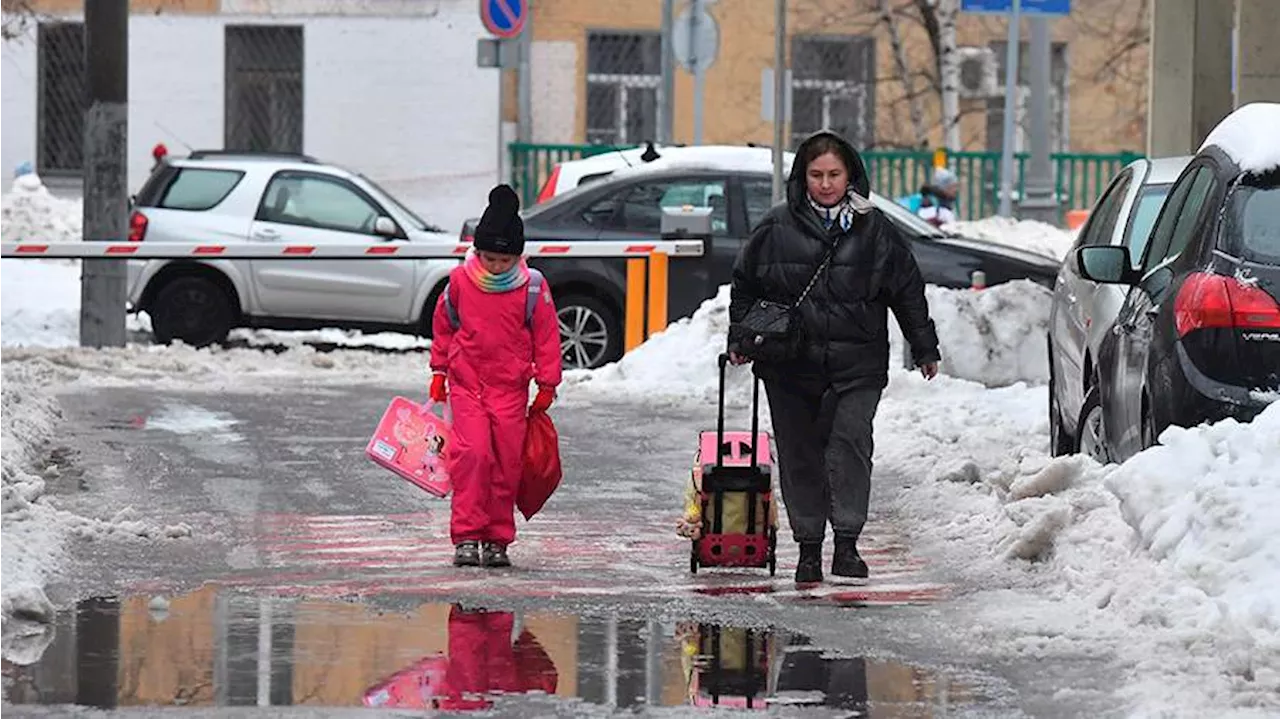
x=262 y=154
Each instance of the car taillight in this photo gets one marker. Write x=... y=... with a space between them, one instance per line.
x=548 y=190
x=1207 y=301
x=137 y=227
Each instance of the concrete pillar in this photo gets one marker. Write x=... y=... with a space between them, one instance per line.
x=1258 y=61
x=1190 y=88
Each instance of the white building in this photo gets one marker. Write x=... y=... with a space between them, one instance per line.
x=390 y=89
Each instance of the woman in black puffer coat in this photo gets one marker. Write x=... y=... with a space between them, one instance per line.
x=823 y=401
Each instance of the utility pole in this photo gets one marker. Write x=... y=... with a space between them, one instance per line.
x=1039 y=201
x=699 y=71
x=779 y=96
x=666 y=108
x=106 y=170
x=1010 y=111
x=524 y=87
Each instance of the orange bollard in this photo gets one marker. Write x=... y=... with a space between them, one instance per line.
x=1076 y=218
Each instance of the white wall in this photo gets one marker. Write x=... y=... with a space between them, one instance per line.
x=17 y=104
x=399 y=99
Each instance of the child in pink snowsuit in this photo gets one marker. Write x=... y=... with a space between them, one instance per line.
x=491 y=335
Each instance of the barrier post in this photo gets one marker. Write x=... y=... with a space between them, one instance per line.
x=657 y=294
x=634 y=334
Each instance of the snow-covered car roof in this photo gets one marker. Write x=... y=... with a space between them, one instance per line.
x=1249 y=137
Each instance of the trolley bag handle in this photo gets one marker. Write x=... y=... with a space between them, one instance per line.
x=755 y=417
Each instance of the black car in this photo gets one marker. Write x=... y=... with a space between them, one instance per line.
x=1198 y=336
x=628 y=206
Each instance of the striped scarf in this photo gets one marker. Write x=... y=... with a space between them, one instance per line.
x=489 y=283
x=842 y=213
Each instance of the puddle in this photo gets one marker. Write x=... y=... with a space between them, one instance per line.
x=216 y=648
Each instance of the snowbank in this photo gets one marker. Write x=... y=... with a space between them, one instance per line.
x=31 y=212
x=1038 y=237
x=1248 y=136
x=994 y=336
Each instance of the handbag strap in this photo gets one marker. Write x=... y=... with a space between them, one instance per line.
x=826 y=260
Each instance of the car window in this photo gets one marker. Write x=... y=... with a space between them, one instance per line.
x=638 y=208
x=1253 y=217
x=195 y=189
x=758 y=195
x=1162 y=233
x=315 y=201
x=1143 y=216
x=1189 y=215
x=1102 y=223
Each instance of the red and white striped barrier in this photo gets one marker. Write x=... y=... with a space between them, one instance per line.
x=379 y=251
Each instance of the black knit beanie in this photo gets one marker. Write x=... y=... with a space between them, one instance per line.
x=501 y=230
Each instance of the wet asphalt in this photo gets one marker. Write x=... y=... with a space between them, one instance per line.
x=304 y=576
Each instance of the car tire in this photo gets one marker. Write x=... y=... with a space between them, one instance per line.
x=1090 y=438
x=195 y=310
x=590 y=332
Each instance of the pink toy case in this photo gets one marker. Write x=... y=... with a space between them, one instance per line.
x=411 y=440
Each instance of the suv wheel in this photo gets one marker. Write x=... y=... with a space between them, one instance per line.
x=192 y=309
x=1090 y=440
x=590 y=333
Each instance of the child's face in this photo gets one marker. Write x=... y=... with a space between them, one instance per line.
x=497 y=263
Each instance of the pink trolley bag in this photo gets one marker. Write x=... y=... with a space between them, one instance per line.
x=411 y=440
x=733 y=486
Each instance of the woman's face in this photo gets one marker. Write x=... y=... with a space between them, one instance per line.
x=497 y=263
x=827 y=179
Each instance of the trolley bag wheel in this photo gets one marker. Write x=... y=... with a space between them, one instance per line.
x=693 y=558
x=773 y=552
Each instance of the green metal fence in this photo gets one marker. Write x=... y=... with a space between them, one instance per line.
x=1078 y=177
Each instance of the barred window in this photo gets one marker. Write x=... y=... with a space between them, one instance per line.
x=833 y=87
x=63 y=98
x=264 y=88
x=624 y=72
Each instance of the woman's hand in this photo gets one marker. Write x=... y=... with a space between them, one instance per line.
x=737 y=359
x=929 y=370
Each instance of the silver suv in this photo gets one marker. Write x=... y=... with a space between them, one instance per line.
x=224 y=197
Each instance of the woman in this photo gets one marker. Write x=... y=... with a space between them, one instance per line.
x=829 y=238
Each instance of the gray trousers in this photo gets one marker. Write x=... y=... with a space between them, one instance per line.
x=824 y=457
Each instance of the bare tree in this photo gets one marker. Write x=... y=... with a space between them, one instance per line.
x=890 y=20
x=18 y=16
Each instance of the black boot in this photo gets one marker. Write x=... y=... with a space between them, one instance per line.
x=466 y=554
x=495 y=555
x=809 y=566
x=845 y=561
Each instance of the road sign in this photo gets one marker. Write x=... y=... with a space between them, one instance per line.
x=494 y=52
x=1028 y=7
x=695 y=39
x=503 y=18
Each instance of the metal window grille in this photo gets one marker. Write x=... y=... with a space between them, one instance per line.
x=833 y=87
x=63 y=98
x=264 y=88
x=624 y=72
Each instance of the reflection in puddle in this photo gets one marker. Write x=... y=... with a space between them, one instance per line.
x=218 y=649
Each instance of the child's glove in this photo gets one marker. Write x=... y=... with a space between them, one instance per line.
x=438 y=391
x=542 y=402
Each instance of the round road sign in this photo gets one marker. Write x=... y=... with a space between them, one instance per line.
x=705 y=45
x=503 y=18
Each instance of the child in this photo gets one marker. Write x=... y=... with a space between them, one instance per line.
x=487 y=346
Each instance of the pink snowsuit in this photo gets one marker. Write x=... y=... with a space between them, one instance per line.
x=489 y=361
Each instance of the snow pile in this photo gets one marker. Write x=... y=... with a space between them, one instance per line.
x=32 y=213
x=39 y=303
x=1248 y=136
x=994 y=336
x=1029 y=235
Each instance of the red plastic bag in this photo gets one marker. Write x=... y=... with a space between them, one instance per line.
x=541 y=464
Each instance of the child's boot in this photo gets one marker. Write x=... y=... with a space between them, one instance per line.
x=466 y=554
x=495 y=555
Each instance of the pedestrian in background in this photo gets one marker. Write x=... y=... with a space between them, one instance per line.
x=936 y=201
x=491 y=335
x=837 y=264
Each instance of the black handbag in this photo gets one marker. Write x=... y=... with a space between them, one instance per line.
x=770 y=331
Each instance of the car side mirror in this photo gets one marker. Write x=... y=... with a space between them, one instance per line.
x=1108 y=264
x=387 y=227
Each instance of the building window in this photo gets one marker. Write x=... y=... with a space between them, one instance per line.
x=264 y=88
x=63 y=98
x=624 y=72
x=833 y=87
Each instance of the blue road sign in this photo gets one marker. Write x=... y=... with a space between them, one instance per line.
x=503 y=18
x=1028 y=7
